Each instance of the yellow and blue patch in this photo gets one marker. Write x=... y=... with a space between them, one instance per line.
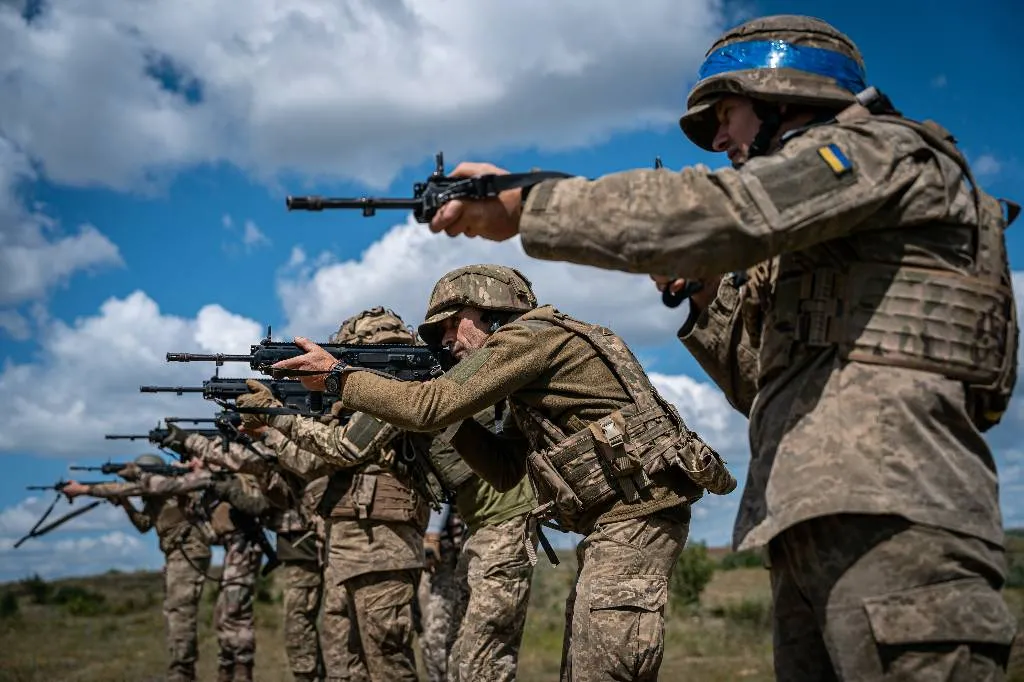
x=835 y=158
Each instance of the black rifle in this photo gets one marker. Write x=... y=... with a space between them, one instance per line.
x=157 y=436
x=118 y=467
x=290 y=392
x=408 y=363
x=59 y=485
x=428 y=197
x=189 y=420
x=253 y=530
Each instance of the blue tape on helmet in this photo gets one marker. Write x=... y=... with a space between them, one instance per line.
x=778 y=54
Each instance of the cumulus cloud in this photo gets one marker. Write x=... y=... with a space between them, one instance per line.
x=400 y=269
x=356 y=88
x=36 y=255
x=986 y=165
x=252 y=236
x=100 y=361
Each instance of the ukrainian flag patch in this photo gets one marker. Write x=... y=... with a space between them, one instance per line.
x=835 y=158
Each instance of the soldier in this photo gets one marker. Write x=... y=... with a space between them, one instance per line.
x=299 y=538
x=168 y=507
x=375 y=519
x=874 y=345
x=437 y=593
x=607 y=456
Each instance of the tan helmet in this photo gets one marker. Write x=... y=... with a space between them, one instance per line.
x=781 y=58
x=376 y=325
x=489 y=287
x=149 y=459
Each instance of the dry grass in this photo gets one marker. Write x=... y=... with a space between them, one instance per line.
x=726 y=638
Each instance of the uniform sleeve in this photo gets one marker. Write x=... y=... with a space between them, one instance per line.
x=118 y=489
x=176 y=485
x=513 y=356
x=719 y=341
x=698 y=223
x=236 y=458
x=140 y=519
x=290 y=456
x=339 y=445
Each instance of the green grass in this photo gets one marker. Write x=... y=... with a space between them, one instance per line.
x=120 y=636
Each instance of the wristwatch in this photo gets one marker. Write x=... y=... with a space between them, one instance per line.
x=332 y=382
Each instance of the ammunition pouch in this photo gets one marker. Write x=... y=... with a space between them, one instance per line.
x=298 y=547
x=615 y=459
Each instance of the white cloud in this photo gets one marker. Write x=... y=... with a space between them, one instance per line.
x=400 y=269
x=117 y=93
x=35 y=254
x=939 y=81
x=100 y=361
x=986 y=165
x=253 y=236
x=53 y=557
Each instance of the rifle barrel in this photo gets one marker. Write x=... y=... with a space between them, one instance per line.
x=119 y=436
x=208 y=357
x=318 y=203
x=171 y=389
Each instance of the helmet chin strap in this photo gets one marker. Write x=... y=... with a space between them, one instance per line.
x=771 y=120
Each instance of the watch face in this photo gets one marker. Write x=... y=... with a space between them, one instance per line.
x=331 y=383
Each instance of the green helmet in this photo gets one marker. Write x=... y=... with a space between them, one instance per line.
x=782 y=58
x=376 y=325
x=488 y=287
x=149 y=460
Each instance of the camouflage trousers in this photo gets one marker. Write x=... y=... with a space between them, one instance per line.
x=233 y=612
x=615 y=615
x=301 y=593
x=872 y=598
x=367 y=627
x=493 y=582
x=183 y=587
x=437 y=595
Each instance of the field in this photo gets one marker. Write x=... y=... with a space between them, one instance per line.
x=109 y=628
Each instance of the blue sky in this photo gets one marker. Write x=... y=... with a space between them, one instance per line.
x=143 y=175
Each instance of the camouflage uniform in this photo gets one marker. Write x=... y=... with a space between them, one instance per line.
x=169 y=508
x=437 y=592
x=374 y=524
x=298 y=543
x=606 y=455
x=874 y=343
x=479 y=596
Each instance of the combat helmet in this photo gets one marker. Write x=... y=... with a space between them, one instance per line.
x=149 y=460
x=376 y=325
x=488 y=287
x=776 y=59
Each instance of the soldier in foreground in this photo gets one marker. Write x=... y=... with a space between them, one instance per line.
x=607 y=455
x=375 y=519
x=874 y=344
x=169 y=507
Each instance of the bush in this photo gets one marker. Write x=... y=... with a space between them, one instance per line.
x=79 y=601
x=753 y=613
x=8 y=605
x=1015 y=577
x=748 y=558
x=38 y=589
x=691 y=574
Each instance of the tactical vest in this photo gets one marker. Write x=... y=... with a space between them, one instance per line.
x=614 y=459
x=374 y=495
x=956 y=321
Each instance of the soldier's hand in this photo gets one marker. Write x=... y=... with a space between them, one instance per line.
x=315 y=359
x=496 y=218
x=73 y=489
x=702 y=299
x=175 y=439
x=259 y=397
x=432 y=551
x=130 y=472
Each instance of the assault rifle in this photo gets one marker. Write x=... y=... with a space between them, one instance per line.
x=290 y=392
x=428 y=197
x=59 y=485
x=118 y=467
x=408 y=363
x=158 y=435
